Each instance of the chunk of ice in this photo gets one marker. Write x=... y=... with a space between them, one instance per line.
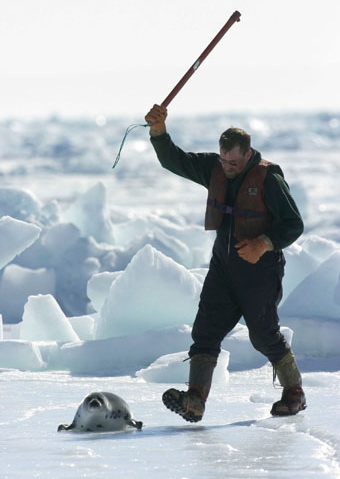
x=153 y=292
x=15 y=237
x=43 y=320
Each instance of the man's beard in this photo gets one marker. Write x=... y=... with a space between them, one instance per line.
x=230 y=176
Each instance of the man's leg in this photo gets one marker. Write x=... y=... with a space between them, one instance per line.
x=259 y=305
x=217 y=315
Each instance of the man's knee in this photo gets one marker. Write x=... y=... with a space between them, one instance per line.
x=273 y=345
x=205 y=341
x=197 y=349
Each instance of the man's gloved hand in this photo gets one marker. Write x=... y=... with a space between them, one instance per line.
x=156 y=119
x=251 y=250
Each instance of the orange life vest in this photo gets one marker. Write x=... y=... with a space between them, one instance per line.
x=251 y=214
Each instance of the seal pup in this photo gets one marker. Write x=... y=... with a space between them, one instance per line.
x=101 y=412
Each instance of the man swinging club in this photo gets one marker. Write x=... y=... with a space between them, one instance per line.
x=255 y=217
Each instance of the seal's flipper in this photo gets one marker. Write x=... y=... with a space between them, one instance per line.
x=137 y=424
x=66 y=427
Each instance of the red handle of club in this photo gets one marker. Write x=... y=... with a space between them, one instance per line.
x=234 y=18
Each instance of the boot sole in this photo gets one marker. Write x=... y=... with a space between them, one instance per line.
x=288 y=413
x=170 y=403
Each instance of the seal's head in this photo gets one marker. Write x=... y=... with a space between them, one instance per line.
x=102 y=411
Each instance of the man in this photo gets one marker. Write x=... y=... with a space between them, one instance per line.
x=255 y=217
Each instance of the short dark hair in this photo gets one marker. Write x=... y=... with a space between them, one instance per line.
x=235 y=137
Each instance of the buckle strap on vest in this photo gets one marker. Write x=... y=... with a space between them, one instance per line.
x=230 y=210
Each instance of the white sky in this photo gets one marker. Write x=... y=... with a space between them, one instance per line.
x=114 y=57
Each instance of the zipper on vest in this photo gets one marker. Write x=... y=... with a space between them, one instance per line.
x=229 y=237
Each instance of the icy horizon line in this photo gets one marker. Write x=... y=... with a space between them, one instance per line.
x=100 y=116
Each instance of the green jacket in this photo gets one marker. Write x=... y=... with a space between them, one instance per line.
x=287 y=224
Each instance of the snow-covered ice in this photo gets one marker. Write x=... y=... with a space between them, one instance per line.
x=99 y=285
x=237 y=439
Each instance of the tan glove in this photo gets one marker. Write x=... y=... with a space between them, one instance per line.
x=251 y=250
x=156 y=119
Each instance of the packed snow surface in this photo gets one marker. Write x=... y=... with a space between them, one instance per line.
x=236 y=439
x=101 y=273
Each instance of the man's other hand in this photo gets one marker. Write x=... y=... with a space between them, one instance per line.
x=251 y=250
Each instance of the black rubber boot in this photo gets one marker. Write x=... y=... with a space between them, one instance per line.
x=191 y=404
x=293 y=398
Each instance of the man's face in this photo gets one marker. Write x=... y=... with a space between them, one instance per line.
x=234 y=161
